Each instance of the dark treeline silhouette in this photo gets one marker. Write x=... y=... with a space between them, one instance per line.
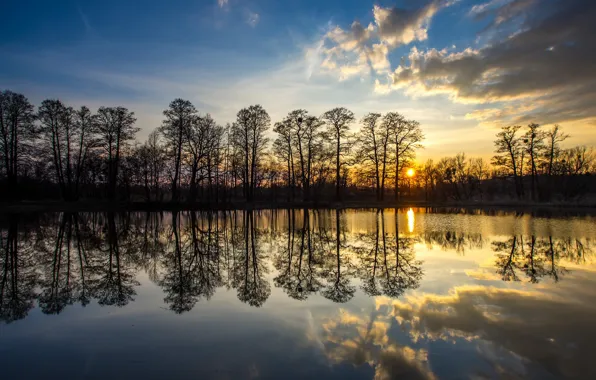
x=58 y=152
x=62 y=259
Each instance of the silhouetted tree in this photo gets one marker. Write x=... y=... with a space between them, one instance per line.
x=509 y=156
x=69 y=135
x=151 y=160
x=338 y=124
x=16 y=131
x=407 y=137
x=373 y=149
x=533 y=141
x=179 y=118
x=248 y=139
x=115 y=127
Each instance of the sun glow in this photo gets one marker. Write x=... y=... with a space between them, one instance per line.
x=410 y=172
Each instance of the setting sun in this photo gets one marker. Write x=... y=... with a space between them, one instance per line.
x=410 y=172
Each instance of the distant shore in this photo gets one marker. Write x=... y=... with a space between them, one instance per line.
x=57 y=206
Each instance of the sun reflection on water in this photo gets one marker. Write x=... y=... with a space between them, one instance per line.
x=410 y=215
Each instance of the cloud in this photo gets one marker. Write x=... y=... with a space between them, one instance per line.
x=85 y=21
x=222 y=3
x=531 y=325
x=480 y=9
x=397 y=26
x=364 y=340
x=362 y=50
x=252 y=18
x=544 y=71
x=501 y=10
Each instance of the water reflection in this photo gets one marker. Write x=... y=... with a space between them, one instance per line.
x=68 y=258
x=353 y=294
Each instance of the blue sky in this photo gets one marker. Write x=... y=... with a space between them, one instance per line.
x=449 y=64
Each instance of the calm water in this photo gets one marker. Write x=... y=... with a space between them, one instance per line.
x=297 y=294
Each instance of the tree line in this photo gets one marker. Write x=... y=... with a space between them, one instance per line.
x=56 y=151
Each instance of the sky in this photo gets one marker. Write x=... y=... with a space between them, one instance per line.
x=462 y=68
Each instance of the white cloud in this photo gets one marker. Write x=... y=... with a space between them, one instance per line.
x=222 y=3
x=360 y=50
x=252 y=18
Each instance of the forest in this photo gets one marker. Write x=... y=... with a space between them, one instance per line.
x=56 y=152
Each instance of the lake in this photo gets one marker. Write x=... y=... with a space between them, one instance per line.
x=294 y=294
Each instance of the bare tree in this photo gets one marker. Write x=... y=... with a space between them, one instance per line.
x=151 y=159
x=338 y=124
x=115 y=126
x=16 y=129
x=282 y=147
x=57 y=128
x=373 y=142
x=248 y=136
x=509 y=155
x=179 y=117
x=407 y=136
x=69 y=135
x=553 y=139
x=533 y=141
x=312 y=144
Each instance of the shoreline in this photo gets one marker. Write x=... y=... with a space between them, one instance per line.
x=97 y=206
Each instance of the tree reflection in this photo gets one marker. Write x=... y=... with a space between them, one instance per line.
x=404 y=272
x=152 y=244
x=18 y=277
x=389 y=266
x=338 y=275
x=250 y=268
x=114 y=275
x=191 y=264
x=296 y=260
x=454 y=241
x=65 y=259
x=531 y=257
x=65 y=273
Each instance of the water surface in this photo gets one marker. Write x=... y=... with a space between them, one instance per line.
x=297 y=294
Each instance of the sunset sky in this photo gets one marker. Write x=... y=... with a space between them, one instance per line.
x=461 y=68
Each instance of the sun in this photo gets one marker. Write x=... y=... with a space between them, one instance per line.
x=410 y=172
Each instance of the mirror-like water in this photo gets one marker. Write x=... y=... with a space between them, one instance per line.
x=297 y=294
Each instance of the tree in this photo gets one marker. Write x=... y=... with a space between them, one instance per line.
x=248 y=137
x=406 y=137
x=338 y=124
x=282 y=147
x=295 y=120
x=57 y=126
x=16 y=130
x=115 y=127
x=151 y=159
x=298 y=137
x=553 y=138
x=196 y=148
x=69 y=135
x=533 y=141
x=509 y=155
x=373 y=143
x=179 y=118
